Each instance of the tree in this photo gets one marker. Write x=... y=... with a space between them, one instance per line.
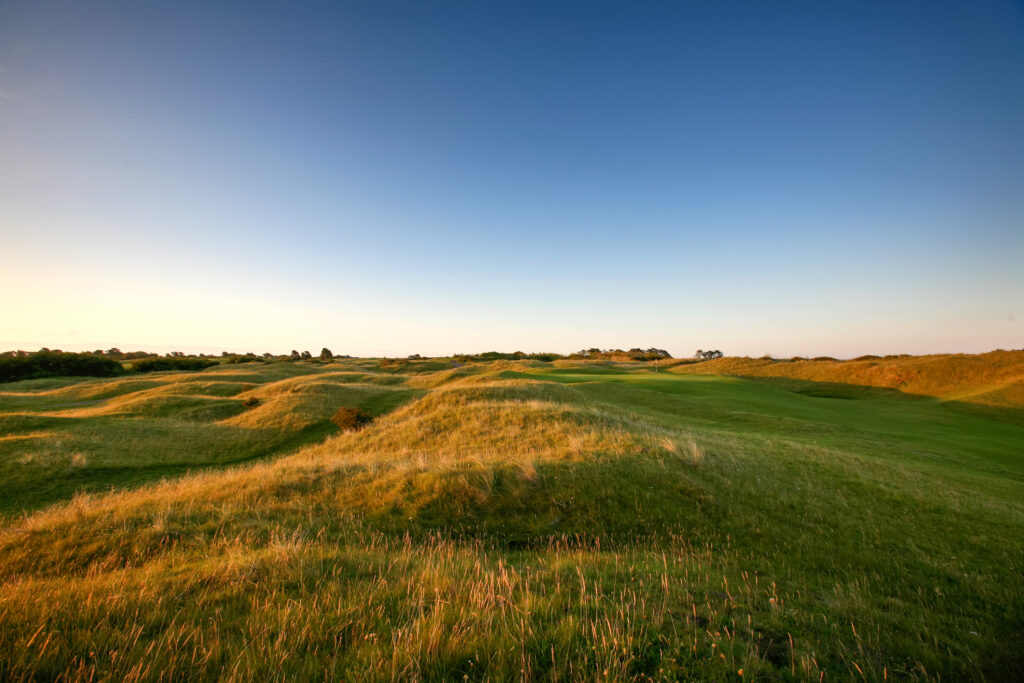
x=56 y=364
x=306 y=355
x=172 y=363
x=325 y=354
x=294 y=355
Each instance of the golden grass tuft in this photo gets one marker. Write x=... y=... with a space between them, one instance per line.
x=27 y=436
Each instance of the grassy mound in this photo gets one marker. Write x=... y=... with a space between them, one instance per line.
x=60 y=438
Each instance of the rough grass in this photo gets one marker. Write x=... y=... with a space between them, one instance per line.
x=524 y=522
x=59 y=438
x=995 y=378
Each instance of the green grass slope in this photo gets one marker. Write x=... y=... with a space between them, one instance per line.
x=59 y=437
x=533 y=521
x=994 y=378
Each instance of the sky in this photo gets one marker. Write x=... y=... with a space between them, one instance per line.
x=388 y=178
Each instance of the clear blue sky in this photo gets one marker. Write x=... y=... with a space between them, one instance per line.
x=421 y=177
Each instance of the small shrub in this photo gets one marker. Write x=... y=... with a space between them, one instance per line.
x=249 y=357
x=348 y=418
x=251 y=402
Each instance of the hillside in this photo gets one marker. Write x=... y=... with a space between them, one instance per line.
x=519 y=520
x=995 y=378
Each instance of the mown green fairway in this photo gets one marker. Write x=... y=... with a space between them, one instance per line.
x=887 y=424
x=530 y=520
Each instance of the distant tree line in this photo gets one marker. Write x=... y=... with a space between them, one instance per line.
x=635 y=353
x=588 y=354
x=707 y=355
x=498 y=355
x=18 y=365
x=173 y=363
x=15 y=365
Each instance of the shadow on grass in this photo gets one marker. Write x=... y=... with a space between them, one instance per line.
x=63 y=483
x=26 y=488
x=838 y=390
x=613 y=498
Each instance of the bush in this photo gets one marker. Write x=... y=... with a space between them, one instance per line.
x=17 y=366
x=251 y=402
x=489 y=356
x=178 y=363
x=349 y=418
x=250 y=357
